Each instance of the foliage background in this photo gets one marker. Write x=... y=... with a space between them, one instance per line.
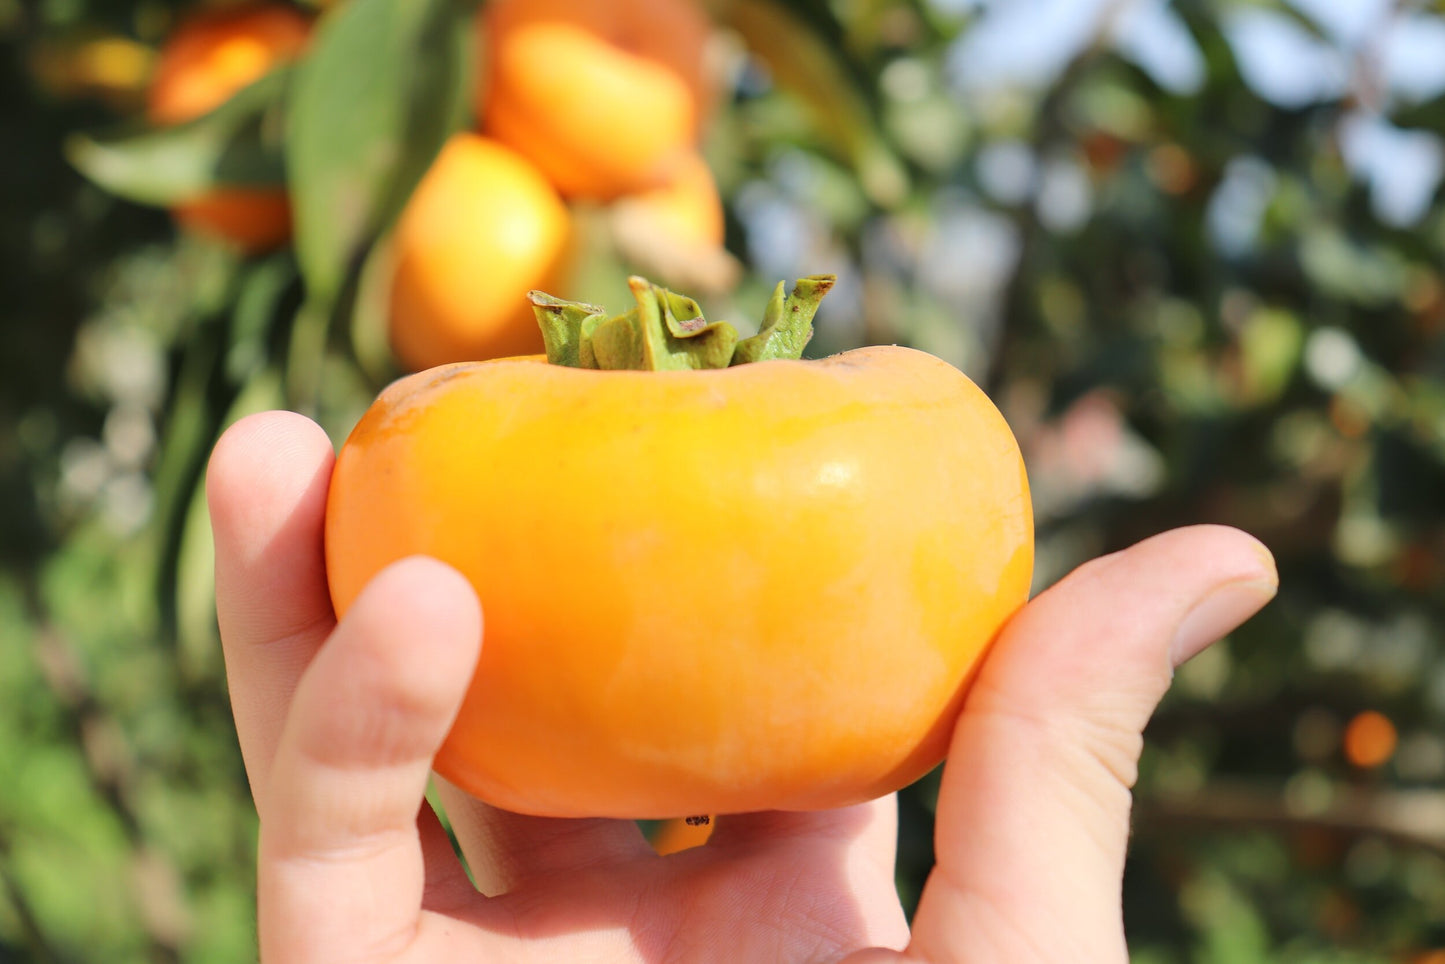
x=1193 y=249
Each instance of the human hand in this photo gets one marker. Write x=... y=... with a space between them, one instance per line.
x=338 y=725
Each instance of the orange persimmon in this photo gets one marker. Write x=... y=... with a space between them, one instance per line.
x=677 y=229
x=1370 y=740
x=481 y=229
x=684 y=210
x=604 y=97
x=764 y=586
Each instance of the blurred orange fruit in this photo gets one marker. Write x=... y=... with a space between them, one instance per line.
x=256 y=219
x=605 y=98
x=203 y=64
x=215 y=53
x=1370 y=740
x=676 y=230
x=686 y=209
x=482 y=229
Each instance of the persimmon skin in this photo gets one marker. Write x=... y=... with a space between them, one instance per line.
x=760 y=587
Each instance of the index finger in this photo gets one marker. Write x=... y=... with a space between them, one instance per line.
x=266 y=486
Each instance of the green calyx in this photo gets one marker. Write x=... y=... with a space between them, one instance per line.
x=667 y=332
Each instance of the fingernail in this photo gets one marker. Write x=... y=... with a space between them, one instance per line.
x=1223 y=609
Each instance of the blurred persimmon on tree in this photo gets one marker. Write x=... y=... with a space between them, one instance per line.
x=210 y=56
x=606 y=98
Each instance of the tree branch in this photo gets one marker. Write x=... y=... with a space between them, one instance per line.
x=1414 y=818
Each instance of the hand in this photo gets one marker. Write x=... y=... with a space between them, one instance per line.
x=338 y=725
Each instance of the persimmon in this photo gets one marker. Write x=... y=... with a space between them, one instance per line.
x=255 y=219
x=215 y=53
x=481 y=229
x=707 y=590
x=1370 y=739
x=677 y=229
x=605 y=98
x=208 y=58
x=683 y=210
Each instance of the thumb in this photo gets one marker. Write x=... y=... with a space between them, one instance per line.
x=1033 y=813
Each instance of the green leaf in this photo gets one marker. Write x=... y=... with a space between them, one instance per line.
x=193 y=586
x=386 y=82
x=1427 y=115
x=803 y=62
x=238 y=144
x=371 y=313
x=1270 y=345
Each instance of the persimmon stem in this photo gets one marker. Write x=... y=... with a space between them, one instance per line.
x=787 y=323
x=667 y=331
x=566 y=329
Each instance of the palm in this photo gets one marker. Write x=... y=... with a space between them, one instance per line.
x=769 y=889
x=339 y=724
